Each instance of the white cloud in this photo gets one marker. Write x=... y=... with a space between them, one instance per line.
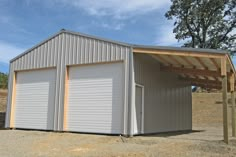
x=119 y=8
x=117 y=26
x=112 y=25
x=8 y=51
x=116 y=8
x=165 y=36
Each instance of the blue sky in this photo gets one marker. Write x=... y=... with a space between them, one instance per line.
x=24 y=23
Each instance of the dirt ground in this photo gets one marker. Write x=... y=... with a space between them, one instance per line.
x=204 y=140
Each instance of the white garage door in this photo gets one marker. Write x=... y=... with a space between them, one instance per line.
x=34 y=104
x=95 y=98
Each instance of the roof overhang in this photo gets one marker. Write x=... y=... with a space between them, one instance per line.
x=201 y=67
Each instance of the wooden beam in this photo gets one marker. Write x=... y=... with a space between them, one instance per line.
x=206 y=77
x=216 y=78
x=215 y=63
x=225 y=109
x=233 y=114
x=231 y=63
x=196 y=72
x=13 y=101
x=232 y=82
x=176 y=53
x=65 y=118
x=202 y=81
x=225 y=99
x=206 y=86
x=232 y=88
x=188 y=62
x=175 y=60
x=223 y=66
x=201 y=63
x=161 y=59
x=191 y=76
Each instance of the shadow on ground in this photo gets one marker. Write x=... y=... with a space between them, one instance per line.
x=170 y=134
x=2 y=119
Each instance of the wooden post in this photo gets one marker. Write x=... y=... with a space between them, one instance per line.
x=225 y=100
x=233 y=114
x=13 y=100
x=232 y=80
x=66 y=99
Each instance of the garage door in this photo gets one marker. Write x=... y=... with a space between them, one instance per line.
x=34 y=104
x=95 y=98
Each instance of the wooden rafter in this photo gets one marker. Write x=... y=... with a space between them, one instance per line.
x=161 y=59
x=216 y=78
x=201 y=63
x=175 y=60
x=206 y=77
x=202 y=81
x=196 y=72
x=215 y=63
x=176 y=53
x=231 y=64
x=223 y=66
x=232 y=82
x=190 y=76
x=206 y=86
x=188 y=62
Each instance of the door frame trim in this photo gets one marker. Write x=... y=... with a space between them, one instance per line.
x=142 y=115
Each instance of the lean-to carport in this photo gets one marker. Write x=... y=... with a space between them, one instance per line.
x=206 y=68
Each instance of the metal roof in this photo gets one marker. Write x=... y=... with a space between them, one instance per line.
x=73 y=33
x=124 y=44
x=170 y=48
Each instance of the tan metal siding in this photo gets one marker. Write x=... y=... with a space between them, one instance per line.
x=9 y=97
x=167 y=100
x=68 y=49
x=81 y=50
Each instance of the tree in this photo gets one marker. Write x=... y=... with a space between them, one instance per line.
x=3 y=80
x=205 y=23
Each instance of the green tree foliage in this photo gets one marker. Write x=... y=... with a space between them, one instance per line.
x=205 y=23
x=3 y=80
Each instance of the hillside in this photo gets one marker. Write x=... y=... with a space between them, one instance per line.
x=3 y=80
x=3 y=100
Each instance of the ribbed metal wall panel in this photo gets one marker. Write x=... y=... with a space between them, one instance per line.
x=91 y=50
x=9 y=96
x=167 y=100
x=68 y=49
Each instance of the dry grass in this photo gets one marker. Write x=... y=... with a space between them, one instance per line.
x=207 y=108
x=3 y=100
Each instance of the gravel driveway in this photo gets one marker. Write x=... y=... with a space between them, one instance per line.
x=205 y=140
x=201 y=142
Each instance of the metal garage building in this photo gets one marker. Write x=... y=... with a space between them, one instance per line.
x=80 y=83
